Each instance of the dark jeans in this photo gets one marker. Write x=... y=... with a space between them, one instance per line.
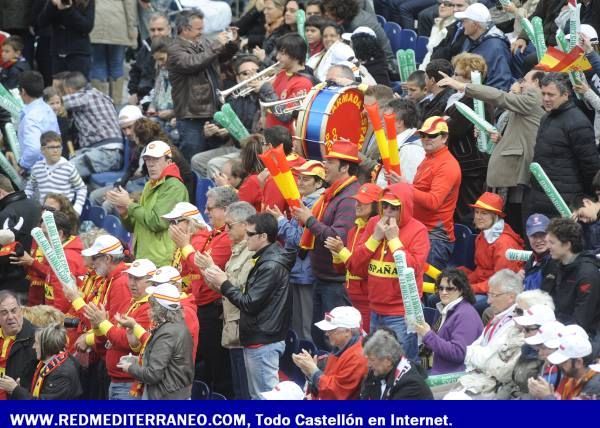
x=405 y=12
x=216 y=370
x=440 y=253
x=80 y=63
x=238 y=374
x=326 y=296
x=191 y=136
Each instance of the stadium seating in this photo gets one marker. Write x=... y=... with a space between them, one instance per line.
x=102 y=179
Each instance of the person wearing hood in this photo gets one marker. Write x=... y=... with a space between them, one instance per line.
x=265 y=303
x=346 y=366
x=309 y=177
x=575 y=287
x=490 y=245
x=485 y=39
x=393 y=229
x=539 y=264
x=144 y=218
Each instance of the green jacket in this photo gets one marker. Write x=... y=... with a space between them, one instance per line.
x=144 y=219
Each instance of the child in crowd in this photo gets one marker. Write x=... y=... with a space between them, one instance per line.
x=55 y=174
x=13 y=63
x=314 y=37
x=161 y=102
x=415 y=86
x=54 y=100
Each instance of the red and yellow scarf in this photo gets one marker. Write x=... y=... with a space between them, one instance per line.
x=307 y=242
x=43 y=370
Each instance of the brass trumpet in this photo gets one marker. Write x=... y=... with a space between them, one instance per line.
x=284 y=106
x=242 y=89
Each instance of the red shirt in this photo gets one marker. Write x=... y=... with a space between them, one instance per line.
x=287 y=86
x=250 y=191
x=6 y=344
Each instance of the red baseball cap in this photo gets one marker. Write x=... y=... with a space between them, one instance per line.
x=368 y=193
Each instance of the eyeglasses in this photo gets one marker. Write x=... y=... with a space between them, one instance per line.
x=425 y=136
x=531 y=328
x=232 y=223
x=446 y=3
x=176 y=221
x=98 y=257
x=250 y=234
x=209 y=209
x=53 y=147
x=519 y=312
x=247 y=72
x=385 y=205
x=494 y=295
x=442 y=289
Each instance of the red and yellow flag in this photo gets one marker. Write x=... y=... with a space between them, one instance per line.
x=564 y=62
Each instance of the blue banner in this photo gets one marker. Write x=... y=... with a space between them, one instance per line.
x=258 y=414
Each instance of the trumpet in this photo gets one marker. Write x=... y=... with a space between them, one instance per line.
x=284 y=106
x=242 y=89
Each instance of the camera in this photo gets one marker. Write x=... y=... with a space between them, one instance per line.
x=71 y=322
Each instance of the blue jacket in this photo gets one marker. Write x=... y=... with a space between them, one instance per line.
x=591 y=235
x=494 y=47
x=449 y=345
x=535 y=273
x=291 y=232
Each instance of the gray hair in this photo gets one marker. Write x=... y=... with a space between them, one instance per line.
x=161 y=315
x=559 y=79
x=184 y=19
x=240 y=211
x=382 y=344
x=535 y=297
x=75 y=80
x=52 y=340
x=159 y=15
x=344 y=71
x=223 y=196
x=470 y=2
x=117 y=258
x=507 y=280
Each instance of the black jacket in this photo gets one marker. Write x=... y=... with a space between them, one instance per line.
x=437 y=105
x=9 y=77
x=410 y=386
x=19 y=214
x=565 y=148
x=71 y=28
x=575 y=289
x=266 y=303
x=252 y=25
x=142 y=73
x=452 y=44
x=61 y=383
x=22 y=360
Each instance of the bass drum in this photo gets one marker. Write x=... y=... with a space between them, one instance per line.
x=330 y=113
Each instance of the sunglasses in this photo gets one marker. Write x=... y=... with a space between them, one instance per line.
x=385 y=205
x=425 y=136
x=531 y=329
x=518 y=312
x=176 y=221
x=250 y=234
x=442 y=289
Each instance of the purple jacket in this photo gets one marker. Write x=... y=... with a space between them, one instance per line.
x=449 y=345
x=337 y=220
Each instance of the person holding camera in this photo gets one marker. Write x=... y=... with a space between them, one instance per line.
x=72 y=22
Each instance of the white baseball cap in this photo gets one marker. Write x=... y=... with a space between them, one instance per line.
x=568 y=330
x=167 y=295
x=573 y=346
x=286 y=390
x=129 y=114
x=104 y=244
x=166 y=274
x=157 y=149
x=140 y=268
x=536 y=315
x=359 y=30
x=340 y=317
x=476 y=12
x=589 y=31
x=187 y=210
x=595 y=367
x=548 y=332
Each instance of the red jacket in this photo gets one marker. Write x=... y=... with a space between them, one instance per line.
x=490 y=258
x=288 y=86
x=117 y=336
x=356 y=286
x=53 y=290
x=190 y=316
x=36 y=274
x=374 y=259
x=250 y=191
x=218 y=245
x=271 y=194
x=436 y=185
x=343 y=374
x=189 y=270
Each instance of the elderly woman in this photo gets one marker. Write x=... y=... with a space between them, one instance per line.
x=309 y=177
x=57 y=373
x=491 y=244
x=346 y=366
x=391 y=375
x=457 y=325
x=166 y=369
x=164 y=189
x=237 y=269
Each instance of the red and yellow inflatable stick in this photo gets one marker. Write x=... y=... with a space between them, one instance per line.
x=279 y=168
x=380 y=139
x=390 y=129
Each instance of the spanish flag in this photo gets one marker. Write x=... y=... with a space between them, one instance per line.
x=564 y=62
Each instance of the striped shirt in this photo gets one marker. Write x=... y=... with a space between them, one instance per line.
x=62 y=178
